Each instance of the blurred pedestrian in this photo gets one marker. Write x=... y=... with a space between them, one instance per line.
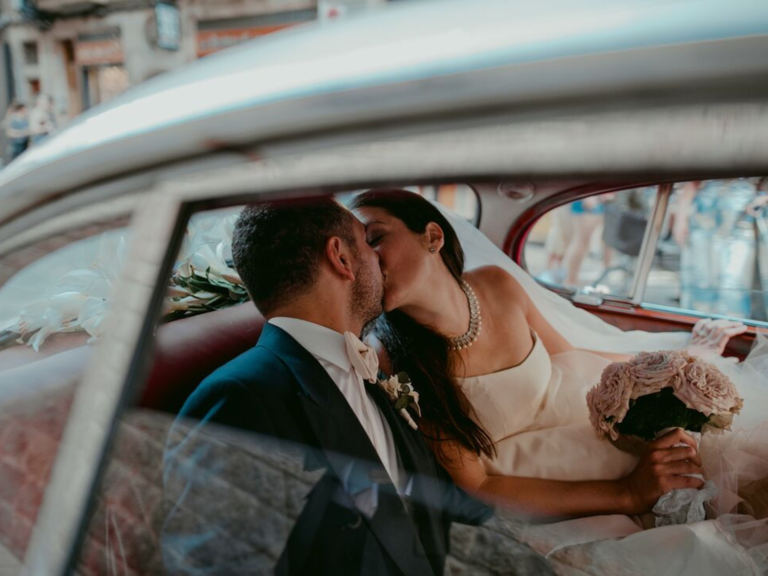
x=16 y=128
x=42 y=120
x=624 y=226
x=587 y=217
x=559 y=237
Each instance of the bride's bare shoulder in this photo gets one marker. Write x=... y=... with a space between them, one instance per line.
x=499 y=290
x=494 y=280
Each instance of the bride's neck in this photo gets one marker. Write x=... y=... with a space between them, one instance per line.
x=442 y=305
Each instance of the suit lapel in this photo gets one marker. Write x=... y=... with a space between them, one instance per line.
x=420 y=464
x=348 y=449
x=412 y=448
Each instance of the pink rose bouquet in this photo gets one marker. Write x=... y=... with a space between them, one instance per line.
x=654 y=391
x=638 y=400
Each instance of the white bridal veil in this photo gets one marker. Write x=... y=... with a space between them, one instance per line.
x=580 y=328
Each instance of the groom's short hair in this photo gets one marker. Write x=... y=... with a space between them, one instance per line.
x=277 y=247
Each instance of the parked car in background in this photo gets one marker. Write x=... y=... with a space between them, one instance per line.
x=502 y=113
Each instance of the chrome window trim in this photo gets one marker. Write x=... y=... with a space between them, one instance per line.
x=650 y=240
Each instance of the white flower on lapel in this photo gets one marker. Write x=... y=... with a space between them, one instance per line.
x=400 y=391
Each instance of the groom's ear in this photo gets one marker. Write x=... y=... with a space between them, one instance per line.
x=339 y=257
x=435 y=236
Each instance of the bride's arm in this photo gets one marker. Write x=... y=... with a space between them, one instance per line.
x=659 y=471
x=534 y=498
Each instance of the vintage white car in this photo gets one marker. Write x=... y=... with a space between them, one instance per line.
x=502 y=111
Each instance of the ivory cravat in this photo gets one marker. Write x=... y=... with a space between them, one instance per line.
x=362 y=357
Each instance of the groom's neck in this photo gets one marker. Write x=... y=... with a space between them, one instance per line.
x=324 y=308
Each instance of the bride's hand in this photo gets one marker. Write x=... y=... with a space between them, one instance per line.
x=710 y=336
x=660 y=470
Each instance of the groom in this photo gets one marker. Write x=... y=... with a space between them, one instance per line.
x=383 y=505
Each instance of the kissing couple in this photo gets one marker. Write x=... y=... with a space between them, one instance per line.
x=501 y=416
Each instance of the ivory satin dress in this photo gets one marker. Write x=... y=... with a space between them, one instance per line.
x=537 y=415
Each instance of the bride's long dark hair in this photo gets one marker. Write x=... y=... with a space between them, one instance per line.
x=418 y=349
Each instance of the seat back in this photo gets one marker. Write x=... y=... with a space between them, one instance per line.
x=189 y=349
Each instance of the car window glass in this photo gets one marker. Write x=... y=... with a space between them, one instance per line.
x=210 y=488
x=54 y=295
x=592 y=244
x=712 y=259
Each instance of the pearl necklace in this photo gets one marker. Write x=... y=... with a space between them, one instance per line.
x=475 y=321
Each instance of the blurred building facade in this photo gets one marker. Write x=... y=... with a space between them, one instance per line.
x=85 y=52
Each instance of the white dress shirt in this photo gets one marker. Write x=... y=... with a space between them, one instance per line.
x=329 y=348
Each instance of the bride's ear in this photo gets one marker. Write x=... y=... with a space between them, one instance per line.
x=435 y=237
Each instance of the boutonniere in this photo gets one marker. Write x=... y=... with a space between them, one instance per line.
x=400 y=391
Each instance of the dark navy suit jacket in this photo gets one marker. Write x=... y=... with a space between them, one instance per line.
x=278 y=389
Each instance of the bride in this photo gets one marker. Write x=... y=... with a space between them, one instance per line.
x=502 y=375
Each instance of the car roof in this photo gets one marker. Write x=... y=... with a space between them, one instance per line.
x=407 y=59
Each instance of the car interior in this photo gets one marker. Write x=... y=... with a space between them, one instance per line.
x=37 y=386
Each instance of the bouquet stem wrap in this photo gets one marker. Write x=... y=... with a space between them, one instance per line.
x=684 y=505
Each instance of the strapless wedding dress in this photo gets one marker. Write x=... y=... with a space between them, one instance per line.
x=536 y=413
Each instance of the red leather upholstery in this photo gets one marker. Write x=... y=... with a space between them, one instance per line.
x=190 y=349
